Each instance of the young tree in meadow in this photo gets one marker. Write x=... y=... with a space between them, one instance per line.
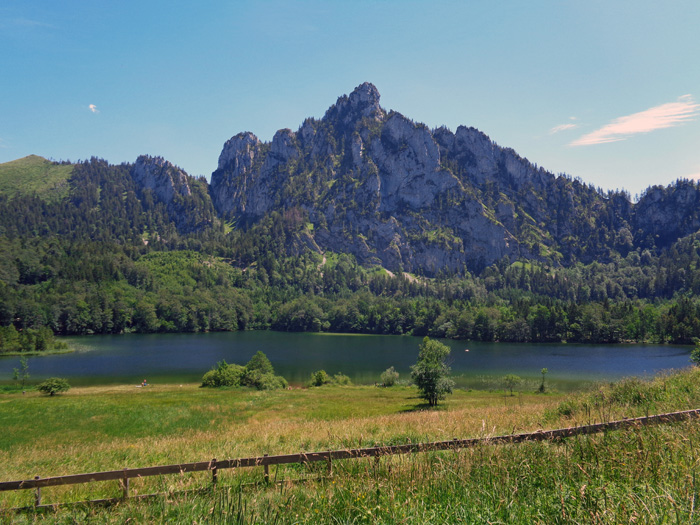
x=431 y=373
x=510 y=381
x=53 y=386
x=544 y=372
x=21 y=374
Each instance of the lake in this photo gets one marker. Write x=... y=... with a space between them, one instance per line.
x=111 y=359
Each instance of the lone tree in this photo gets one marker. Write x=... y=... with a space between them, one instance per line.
x=431 y=373
x=53 y=386
x=511 y=381
x=21 y=374
x=544 y=372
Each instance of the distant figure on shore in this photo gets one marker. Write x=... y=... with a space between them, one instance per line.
x=145 y=383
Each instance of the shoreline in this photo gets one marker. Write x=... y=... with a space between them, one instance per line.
x=34 y=353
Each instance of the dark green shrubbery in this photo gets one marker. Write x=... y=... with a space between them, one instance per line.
x=257 y=373
x=224 y=375
x=320 y=378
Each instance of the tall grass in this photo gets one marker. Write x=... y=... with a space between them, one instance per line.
x=646 y=475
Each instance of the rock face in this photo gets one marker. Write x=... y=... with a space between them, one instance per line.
x=161 y=177
x=186 y=199
x=393 y=192
x=664 y=215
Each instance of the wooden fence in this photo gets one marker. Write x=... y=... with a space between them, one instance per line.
x=123 y=476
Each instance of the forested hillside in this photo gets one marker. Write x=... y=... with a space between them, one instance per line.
x=362 y=221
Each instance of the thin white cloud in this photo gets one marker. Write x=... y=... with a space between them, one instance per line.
x=26 y=22
x=562 y=127
x=93 y=108
x=21 y=24
x=664 y=116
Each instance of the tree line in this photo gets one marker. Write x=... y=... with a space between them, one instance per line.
x=112 y=259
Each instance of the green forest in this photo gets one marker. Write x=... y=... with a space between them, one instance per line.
x=110 y=259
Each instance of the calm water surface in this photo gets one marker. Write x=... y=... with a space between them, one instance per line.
x=186 y=357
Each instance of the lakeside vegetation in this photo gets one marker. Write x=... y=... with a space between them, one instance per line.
x=30 y=341
x=113 y=290
x=643 y=474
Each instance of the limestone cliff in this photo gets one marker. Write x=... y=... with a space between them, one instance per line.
x=186 y=199
x=391 y=191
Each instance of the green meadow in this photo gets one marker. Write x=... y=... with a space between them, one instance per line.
x=645 y=475
x=35 y=175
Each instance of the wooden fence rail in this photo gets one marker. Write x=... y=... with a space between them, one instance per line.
x=214 y=465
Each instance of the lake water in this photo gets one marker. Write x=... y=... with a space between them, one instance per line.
x=186 y=357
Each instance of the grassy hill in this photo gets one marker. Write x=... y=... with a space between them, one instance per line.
x=34 y=174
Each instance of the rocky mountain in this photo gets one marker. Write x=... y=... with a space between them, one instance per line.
x=186 y=199
x=161 y=177
x=361 y=180
x=391 y=191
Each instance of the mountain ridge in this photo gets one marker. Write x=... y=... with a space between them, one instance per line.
x=392 y=192
x=422 y=200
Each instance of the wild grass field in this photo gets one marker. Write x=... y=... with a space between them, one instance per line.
x=644 y=475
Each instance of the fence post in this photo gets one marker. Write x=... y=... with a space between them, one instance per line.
x=125 y=485
x=213 y=472
x=266 y=467
x=37 y=495
x=329 y=465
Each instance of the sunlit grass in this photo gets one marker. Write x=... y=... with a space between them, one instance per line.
x=34 y=175
x=648 y=475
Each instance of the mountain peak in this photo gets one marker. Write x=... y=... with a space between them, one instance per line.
x=365 y=95
x=362 y=102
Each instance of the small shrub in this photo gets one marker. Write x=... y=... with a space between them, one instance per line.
x=263 y=381
x=224 y=375
x=257 y=373
x=342 y=379
x=319 y=378
x=389 y=377
x=53 y=385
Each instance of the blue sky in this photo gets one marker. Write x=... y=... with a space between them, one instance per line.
x=607 y=91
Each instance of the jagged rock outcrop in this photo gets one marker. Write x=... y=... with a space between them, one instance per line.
x=161 y=177
x=393 y=192
x=186 y=199
x=664 y=215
